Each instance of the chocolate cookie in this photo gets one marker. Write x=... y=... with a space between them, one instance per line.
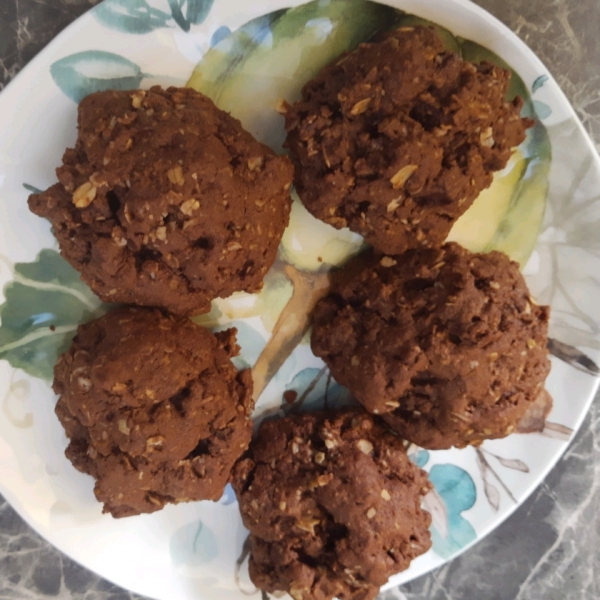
x=332 y=503
x=153 y=408
x=166 y=201
x=396 y=139
x=447 y=346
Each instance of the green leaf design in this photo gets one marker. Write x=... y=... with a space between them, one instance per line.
x=271 y=58
x=131 y=16
x=193 y=544
x=517 y=232
x=44 y=304
x=139 y=17
x=83 y=73
x=175 y=6
x=197 y=11
x=538 y=83
x=229 y=54
x=542 y=110
x=32 y=188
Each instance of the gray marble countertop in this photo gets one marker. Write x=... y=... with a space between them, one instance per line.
x=548 y=549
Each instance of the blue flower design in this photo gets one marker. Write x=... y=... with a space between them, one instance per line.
x=219 y=34
x=420 y=458
x=454 y=493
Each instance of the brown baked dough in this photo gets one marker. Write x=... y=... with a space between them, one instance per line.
x=396 y=139
x=332 y=503
x=153 y=408
x=446 y=345
x=166 y=201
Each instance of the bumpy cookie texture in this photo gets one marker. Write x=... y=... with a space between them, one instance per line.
x=332 y=503
x=166 y=201
x=447 y=346
x=153 y=408
x=396 y=139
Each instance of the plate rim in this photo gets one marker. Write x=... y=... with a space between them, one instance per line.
x=39 y=62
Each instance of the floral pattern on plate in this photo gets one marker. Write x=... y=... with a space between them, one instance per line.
x=249 y=60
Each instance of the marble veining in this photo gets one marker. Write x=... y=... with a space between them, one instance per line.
x=548 y=549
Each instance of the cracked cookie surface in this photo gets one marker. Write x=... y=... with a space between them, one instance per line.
x=153 y=408
x=396 y=139
x=332 y=503
x=166 y=201
x=446 y=345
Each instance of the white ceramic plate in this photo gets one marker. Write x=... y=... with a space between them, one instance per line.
x=190 y=551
